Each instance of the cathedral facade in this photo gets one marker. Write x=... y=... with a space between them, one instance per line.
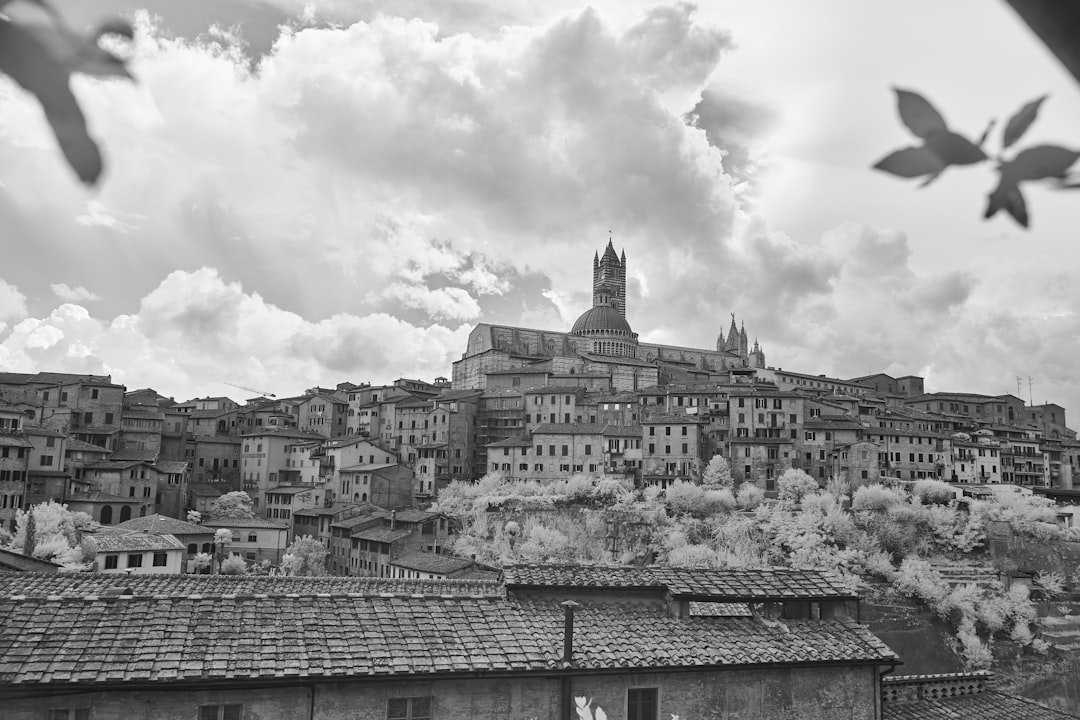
x=601 y=342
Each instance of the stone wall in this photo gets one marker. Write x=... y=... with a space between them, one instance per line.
x=766 y=694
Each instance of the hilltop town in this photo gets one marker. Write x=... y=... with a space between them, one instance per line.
x=755 y=518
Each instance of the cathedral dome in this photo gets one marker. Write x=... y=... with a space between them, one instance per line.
x=601 y=320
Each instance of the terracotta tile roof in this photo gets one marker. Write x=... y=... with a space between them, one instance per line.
x=632 y=635
x=171 y=466
x=129 y=542
x=92 y=584
x=956 y=695
x=431 y=562
x=984 y=706
x=102 y=497
x=147 y=456
x=78 y=445
x=381 y=534
x=190 y=636
x=110 y=465
x=569 y=429
x=214 y=522
x=734 y=584
x=14 y=441
x=164 y=525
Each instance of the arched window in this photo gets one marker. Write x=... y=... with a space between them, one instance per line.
x=192 y=548
x=206 y=547
x=106 y=515
x=363 y=498
x=125 y=513
x=356 y=496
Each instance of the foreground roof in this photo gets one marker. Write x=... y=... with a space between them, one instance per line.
x=198 y=629
x=89 y=584
x=734 y=584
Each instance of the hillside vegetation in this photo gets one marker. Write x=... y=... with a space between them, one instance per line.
x=874 y=533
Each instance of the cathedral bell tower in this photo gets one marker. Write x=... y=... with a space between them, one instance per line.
x=610 y=270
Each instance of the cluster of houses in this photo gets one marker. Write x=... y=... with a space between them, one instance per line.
x=340 y=463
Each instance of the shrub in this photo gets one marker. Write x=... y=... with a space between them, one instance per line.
x=693 y=556
x=876 y=497
x=234 y=565
x=720 y=501
x=749 y=496
x=794 y=485
x=546 y=545
x=685 y=498
x=933 y=492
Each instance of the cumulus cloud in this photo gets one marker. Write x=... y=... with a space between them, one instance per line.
x=370 y=184
x=73 y=294
x=12 y=302
x=196 y=329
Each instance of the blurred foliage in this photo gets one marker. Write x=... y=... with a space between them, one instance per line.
x=942 y=147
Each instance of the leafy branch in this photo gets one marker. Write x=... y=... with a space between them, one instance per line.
x=41 y=57
x=942 y=147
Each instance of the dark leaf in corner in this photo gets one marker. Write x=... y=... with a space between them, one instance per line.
x=910 y=162
x=1021 y=121
x=918 y=114
x=1007 y=196
x=29 y=63
x=1040 y=162
x=954 y=149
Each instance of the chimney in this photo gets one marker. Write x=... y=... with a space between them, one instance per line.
x=393 y=519
x=568 y=630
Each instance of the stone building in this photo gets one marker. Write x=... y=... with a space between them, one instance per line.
x=600 y=342
x=752 y=644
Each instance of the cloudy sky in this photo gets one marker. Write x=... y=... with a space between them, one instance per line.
x=306 y=192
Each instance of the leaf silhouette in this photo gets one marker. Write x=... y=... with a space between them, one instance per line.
x=918 y=114
x=77 y=53
x=1007 y=196
x=954 y=149
x=1021 y=121
x=29 y=63
x=1040 y=162
x=986 y=133
x=910 y=162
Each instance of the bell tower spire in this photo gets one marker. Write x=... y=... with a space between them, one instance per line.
x=610 y=270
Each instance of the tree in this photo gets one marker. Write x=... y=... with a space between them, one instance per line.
x=718 y=472
x=203 y=561
x=41 y=57
x=194 y=517
x=306 y=556
x=49 y=531
x=794 y=485
x=236 y=504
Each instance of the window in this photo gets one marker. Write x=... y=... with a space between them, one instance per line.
x=641 y=704
x=108 y=418
x=161 y=559
x=88 y=418
x=134 y=560
x=409 y=708
x=253 y=537
x=111 y=562
x=221 y=712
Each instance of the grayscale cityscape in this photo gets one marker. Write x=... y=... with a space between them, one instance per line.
x=526 y=360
